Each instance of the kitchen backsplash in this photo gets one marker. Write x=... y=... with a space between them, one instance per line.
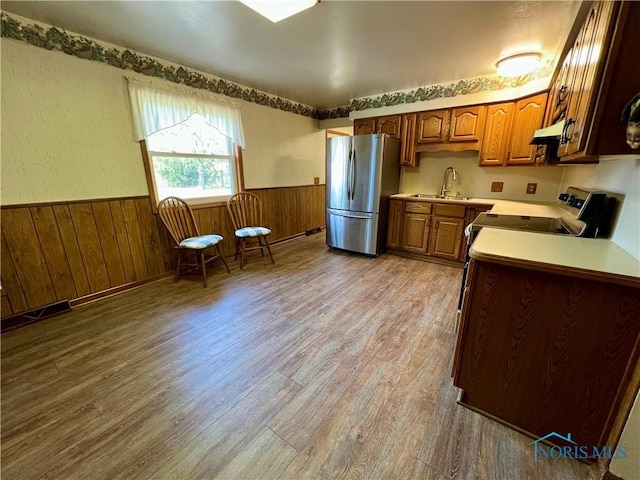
x=622 y=177
x=475 y=181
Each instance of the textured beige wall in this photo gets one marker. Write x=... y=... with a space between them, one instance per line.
x=629 y=467
x=476 y=181
x=67 y=133
x=620 y=176
x=283 y=149
x=66 y=129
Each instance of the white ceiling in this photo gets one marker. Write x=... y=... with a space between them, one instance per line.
x=329 y=54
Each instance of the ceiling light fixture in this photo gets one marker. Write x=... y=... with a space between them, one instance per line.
x=276 y=10
x=516 y=65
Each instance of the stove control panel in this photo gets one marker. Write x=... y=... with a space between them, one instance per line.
x=587 y=205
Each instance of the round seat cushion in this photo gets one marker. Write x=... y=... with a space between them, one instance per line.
x=252 y=232
x=203 y=241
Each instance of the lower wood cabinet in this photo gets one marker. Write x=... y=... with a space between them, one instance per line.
x=446 y=237
x=545 y=351
x=415 y=227
x=415 y=232
x=430 y=230
x=394 y=225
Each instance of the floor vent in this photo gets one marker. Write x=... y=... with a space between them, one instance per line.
x=36 y=315
x=313 y=231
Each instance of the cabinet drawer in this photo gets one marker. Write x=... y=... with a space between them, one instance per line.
x=449 y=210
x=418 y=207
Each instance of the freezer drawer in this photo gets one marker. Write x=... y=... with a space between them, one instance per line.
x=353 y=231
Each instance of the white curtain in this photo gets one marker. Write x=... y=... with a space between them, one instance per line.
x=157 y=107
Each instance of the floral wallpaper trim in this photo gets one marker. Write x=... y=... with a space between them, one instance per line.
x=52 y=38
x=461 y=87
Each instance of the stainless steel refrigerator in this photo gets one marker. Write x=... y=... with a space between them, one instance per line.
x=362 y=171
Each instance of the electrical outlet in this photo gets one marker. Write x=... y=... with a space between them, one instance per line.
x=316 y=180
x=531 y=188
x=497 y=186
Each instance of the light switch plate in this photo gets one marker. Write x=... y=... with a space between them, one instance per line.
x=531 y=188
x=497 y=186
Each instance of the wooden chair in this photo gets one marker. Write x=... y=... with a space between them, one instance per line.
x=178 y=218
x=245 y=210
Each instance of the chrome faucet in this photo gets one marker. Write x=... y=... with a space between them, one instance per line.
x=454 y=176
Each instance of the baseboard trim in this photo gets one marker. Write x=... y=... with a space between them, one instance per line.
x=19 y=320
x=425 y=258
x=92 y=297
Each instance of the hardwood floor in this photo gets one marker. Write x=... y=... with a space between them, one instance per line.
x=326 y=365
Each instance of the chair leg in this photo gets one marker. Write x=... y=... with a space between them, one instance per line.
x=261 y=246
x=175 y=279
x=204 y=269
x=269 y=249
x=237 y=248
x=241 y=253
x=222 y=258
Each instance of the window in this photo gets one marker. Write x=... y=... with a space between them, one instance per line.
x=194 y=161
x=191 y=141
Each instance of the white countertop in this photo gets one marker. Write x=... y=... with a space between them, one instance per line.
x=504 y=207
x=557 y=251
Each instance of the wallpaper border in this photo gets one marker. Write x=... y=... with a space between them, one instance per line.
x=52 y=38
x=488 y=83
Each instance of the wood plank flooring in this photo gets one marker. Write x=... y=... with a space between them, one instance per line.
x=326 y=365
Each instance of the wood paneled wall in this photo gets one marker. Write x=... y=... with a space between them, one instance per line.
x=64 y=251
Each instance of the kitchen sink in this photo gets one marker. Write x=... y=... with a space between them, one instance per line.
x=441 y=197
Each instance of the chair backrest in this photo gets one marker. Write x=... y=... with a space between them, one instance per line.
x=245 y=210
x=178 y=218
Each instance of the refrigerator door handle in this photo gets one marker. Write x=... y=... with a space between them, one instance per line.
x=349 y=175
x=350 y=215
x=353 y=175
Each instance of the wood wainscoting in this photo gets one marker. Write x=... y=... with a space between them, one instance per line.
x=70 y=250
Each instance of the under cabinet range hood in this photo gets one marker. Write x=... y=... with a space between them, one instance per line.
x=549 y=135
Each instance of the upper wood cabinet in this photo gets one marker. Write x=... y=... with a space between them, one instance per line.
x=467 y=124
x=432 y=126
x=408 y=156
x=598 y=77
x=364 y=126
x=391 y=125
x=527 y=118
x=495 y=139
x=583 y=70
x=455 y=129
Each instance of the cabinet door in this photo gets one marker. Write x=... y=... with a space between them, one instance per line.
x=559 y=93
x=467 y=124
x=364 y=126
x=415 y=232
x=433 y=126
x=394 y=232
x=446 y=237
x=391 y=125
x=527 y=118
x=408 y=156
x=495 y=140
x=589 y=48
